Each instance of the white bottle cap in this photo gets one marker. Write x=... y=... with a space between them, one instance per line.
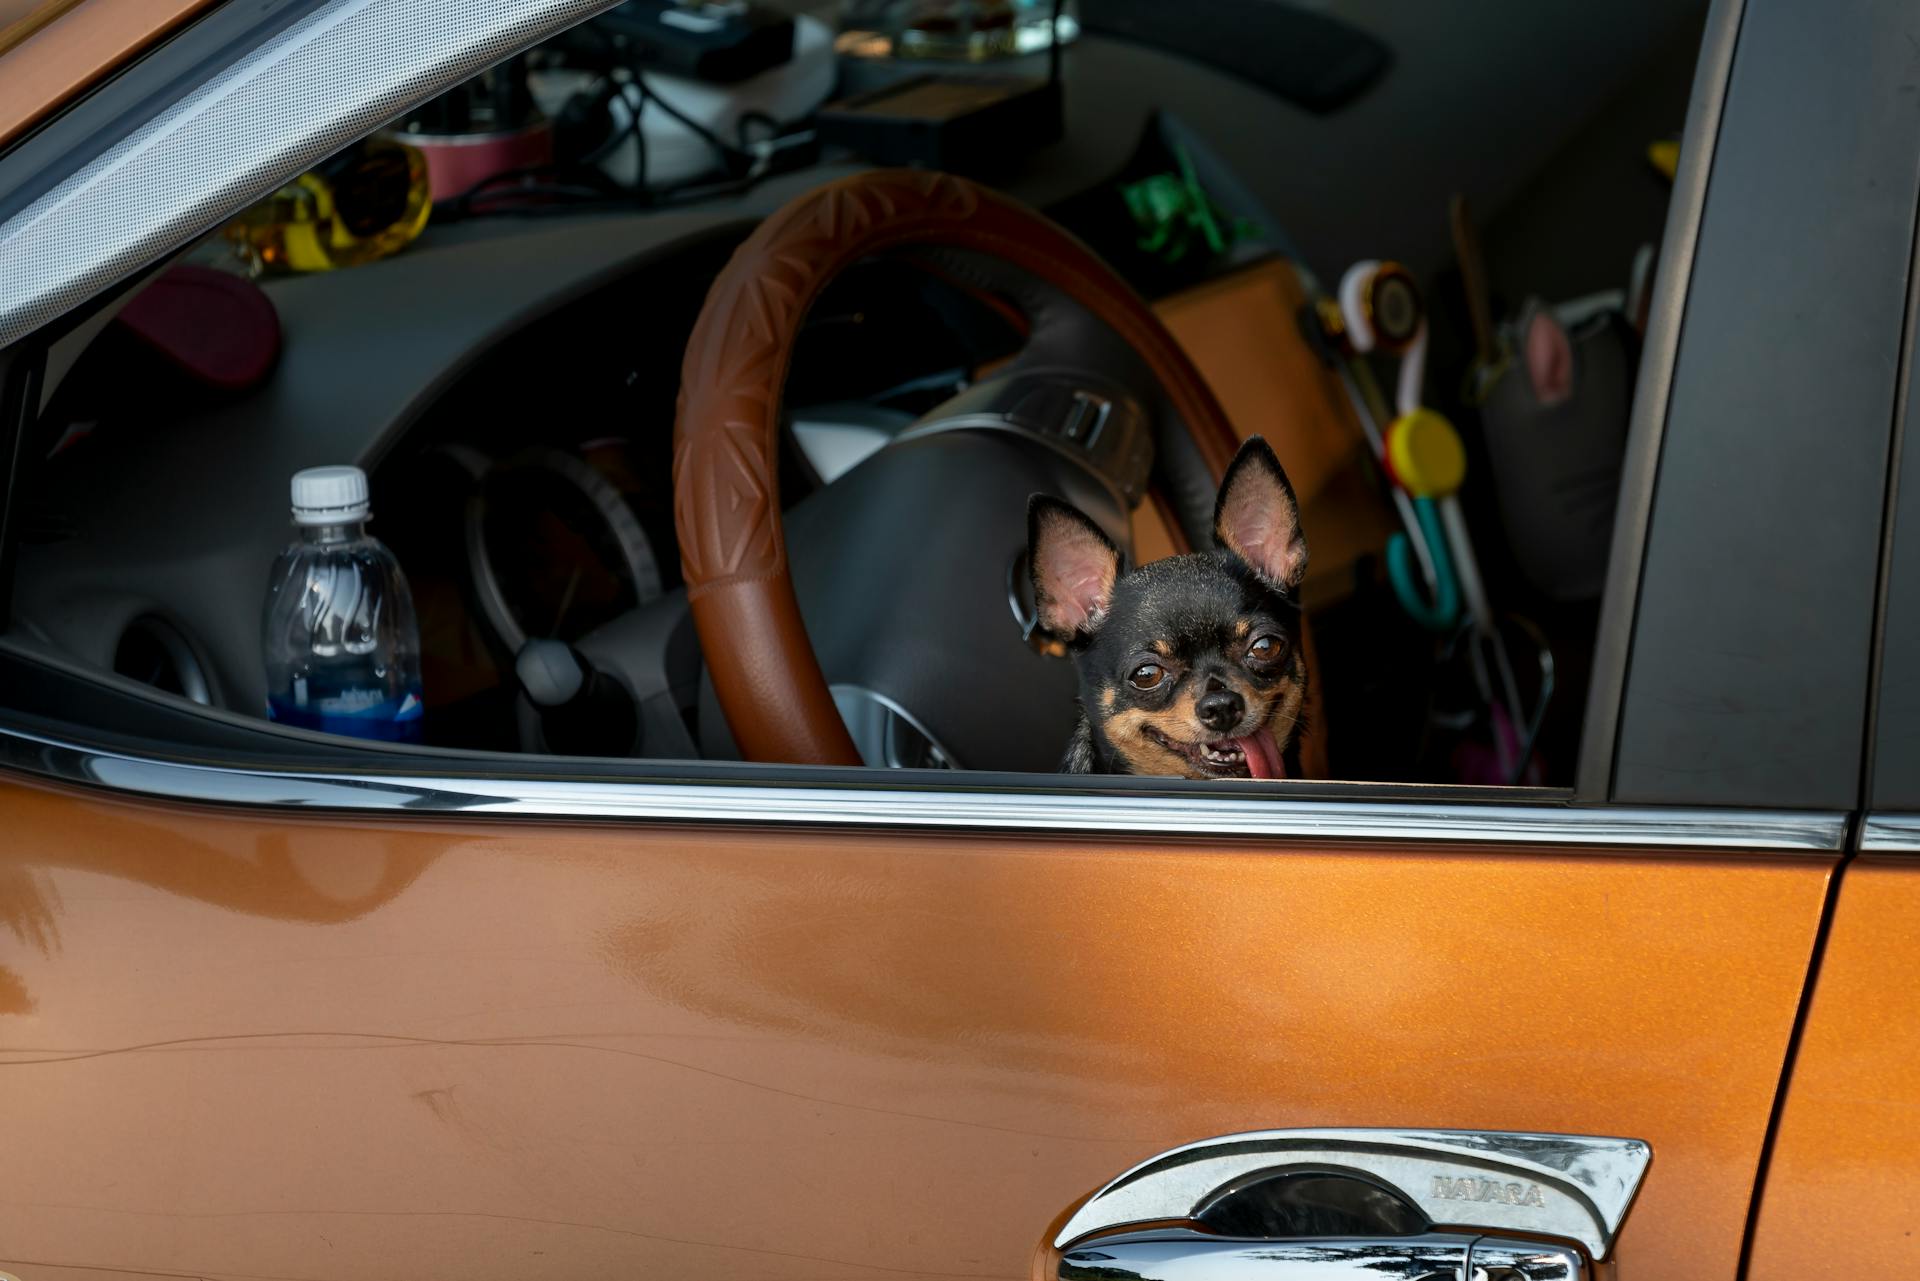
x=329 y=496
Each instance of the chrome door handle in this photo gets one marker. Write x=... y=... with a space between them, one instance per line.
x=1275 y=1205
x=1178 y=1254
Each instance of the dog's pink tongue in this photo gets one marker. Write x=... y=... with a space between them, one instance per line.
x=1263 y=755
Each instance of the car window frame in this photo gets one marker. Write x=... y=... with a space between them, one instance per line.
x=1697 y=660
x=1891 y=790
x=475 y=782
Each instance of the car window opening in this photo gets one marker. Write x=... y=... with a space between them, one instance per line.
x=437 y=377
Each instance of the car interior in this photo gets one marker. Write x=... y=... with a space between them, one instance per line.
x=1410 y=246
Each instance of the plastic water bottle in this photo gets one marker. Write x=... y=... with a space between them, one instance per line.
x=342 y=647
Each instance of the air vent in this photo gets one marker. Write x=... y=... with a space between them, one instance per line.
x=155 y=652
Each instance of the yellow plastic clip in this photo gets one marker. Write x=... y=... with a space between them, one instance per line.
x=1425 y=455
x=1665 y=158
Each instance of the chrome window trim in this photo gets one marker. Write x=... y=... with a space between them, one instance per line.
x=1222 y=814
x=1890 y=834
x=333 y=76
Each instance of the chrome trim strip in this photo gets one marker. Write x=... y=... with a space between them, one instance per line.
x=1890 y=834
x=1633 y=515
x=1221 y=813
x=341 y=72
x=1183 y=1254
x=1569 y=1185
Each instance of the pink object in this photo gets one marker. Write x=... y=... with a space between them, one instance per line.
x=459 y=162
x=215 y=328
x=1479 y=762
x=1549 y=359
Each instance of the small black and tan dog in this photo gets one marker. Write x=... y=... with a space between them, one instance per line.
x=1189 y=666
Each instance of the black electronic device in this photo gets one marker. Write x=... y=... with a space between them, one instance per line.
x=722 y=41
x=960 y=123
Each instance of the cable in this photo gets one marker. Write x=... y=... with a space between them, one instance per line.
x=640 y=145
x=485 y=197
x=624 y=60
x=728 y=154
x=582 y=182
x=617 y=138
x=606 y=92
x=753 y=116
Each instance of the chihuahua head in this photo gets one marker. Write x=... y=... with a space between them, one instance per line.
x=1189 y=666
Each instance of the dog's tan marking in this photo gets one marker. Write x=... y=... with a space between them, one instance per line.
x=1106 y=698
x=1139 y=753
x=1181 y=721
x=1284 y=716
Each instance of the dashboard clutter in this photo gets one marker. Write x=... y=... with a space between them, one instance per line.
x=1150 y=218
x=367 y=202
x=339 y=635
x=479 y=131
x=953 y=30
x=952 y=121
x=1175 y=214
x=720 y=41
x=626 y=120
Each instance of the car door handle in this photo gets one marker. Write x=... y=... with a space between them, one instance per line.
x=1177 y=1254
x=1348 y=1204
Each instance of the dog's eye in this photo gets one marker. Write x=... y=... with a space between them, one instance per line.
x=1147 y=676
x=1265 y=649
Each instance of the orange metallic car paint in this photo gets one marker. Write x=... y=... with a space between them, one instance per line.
x=54 y=51
x=268 y=1045
x=1843 y=1190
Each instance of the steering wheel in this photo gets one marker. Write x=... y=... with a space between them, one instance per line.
x=766 y=676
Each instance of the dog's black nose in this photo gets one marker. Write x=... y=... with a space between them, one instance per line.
x=1220 y=710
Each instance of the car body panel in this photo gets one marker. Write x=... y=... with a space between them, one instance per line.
x=274 y=1043
x=269 y=1044
x=1845 y=1153
x=50 y=53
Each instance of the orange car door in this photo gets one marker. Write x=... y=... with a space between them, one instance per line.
x=244 y=1040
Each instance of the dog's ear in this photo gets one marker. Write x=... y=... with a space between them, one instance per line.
x=1074 y=567
x=1257 y=519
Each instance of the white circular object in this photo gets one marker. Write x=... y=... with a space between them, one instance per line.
x=329 y=496
x=1353 y=306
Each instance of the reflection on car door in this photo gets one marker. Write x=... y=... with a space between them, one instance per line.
x=244 y=1042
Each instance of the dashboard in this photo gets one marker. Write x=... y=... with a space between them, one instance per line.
x=511 y=393
x=509 y=385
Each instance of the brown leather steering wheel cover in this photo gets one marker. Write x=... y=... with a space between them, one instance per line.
x=726 y=497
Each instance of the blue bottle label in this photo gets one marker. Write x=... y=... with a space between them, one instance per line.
x=357 y=713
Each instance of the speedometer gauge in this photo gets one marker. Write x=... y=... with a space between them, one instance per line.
x=556 y=551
